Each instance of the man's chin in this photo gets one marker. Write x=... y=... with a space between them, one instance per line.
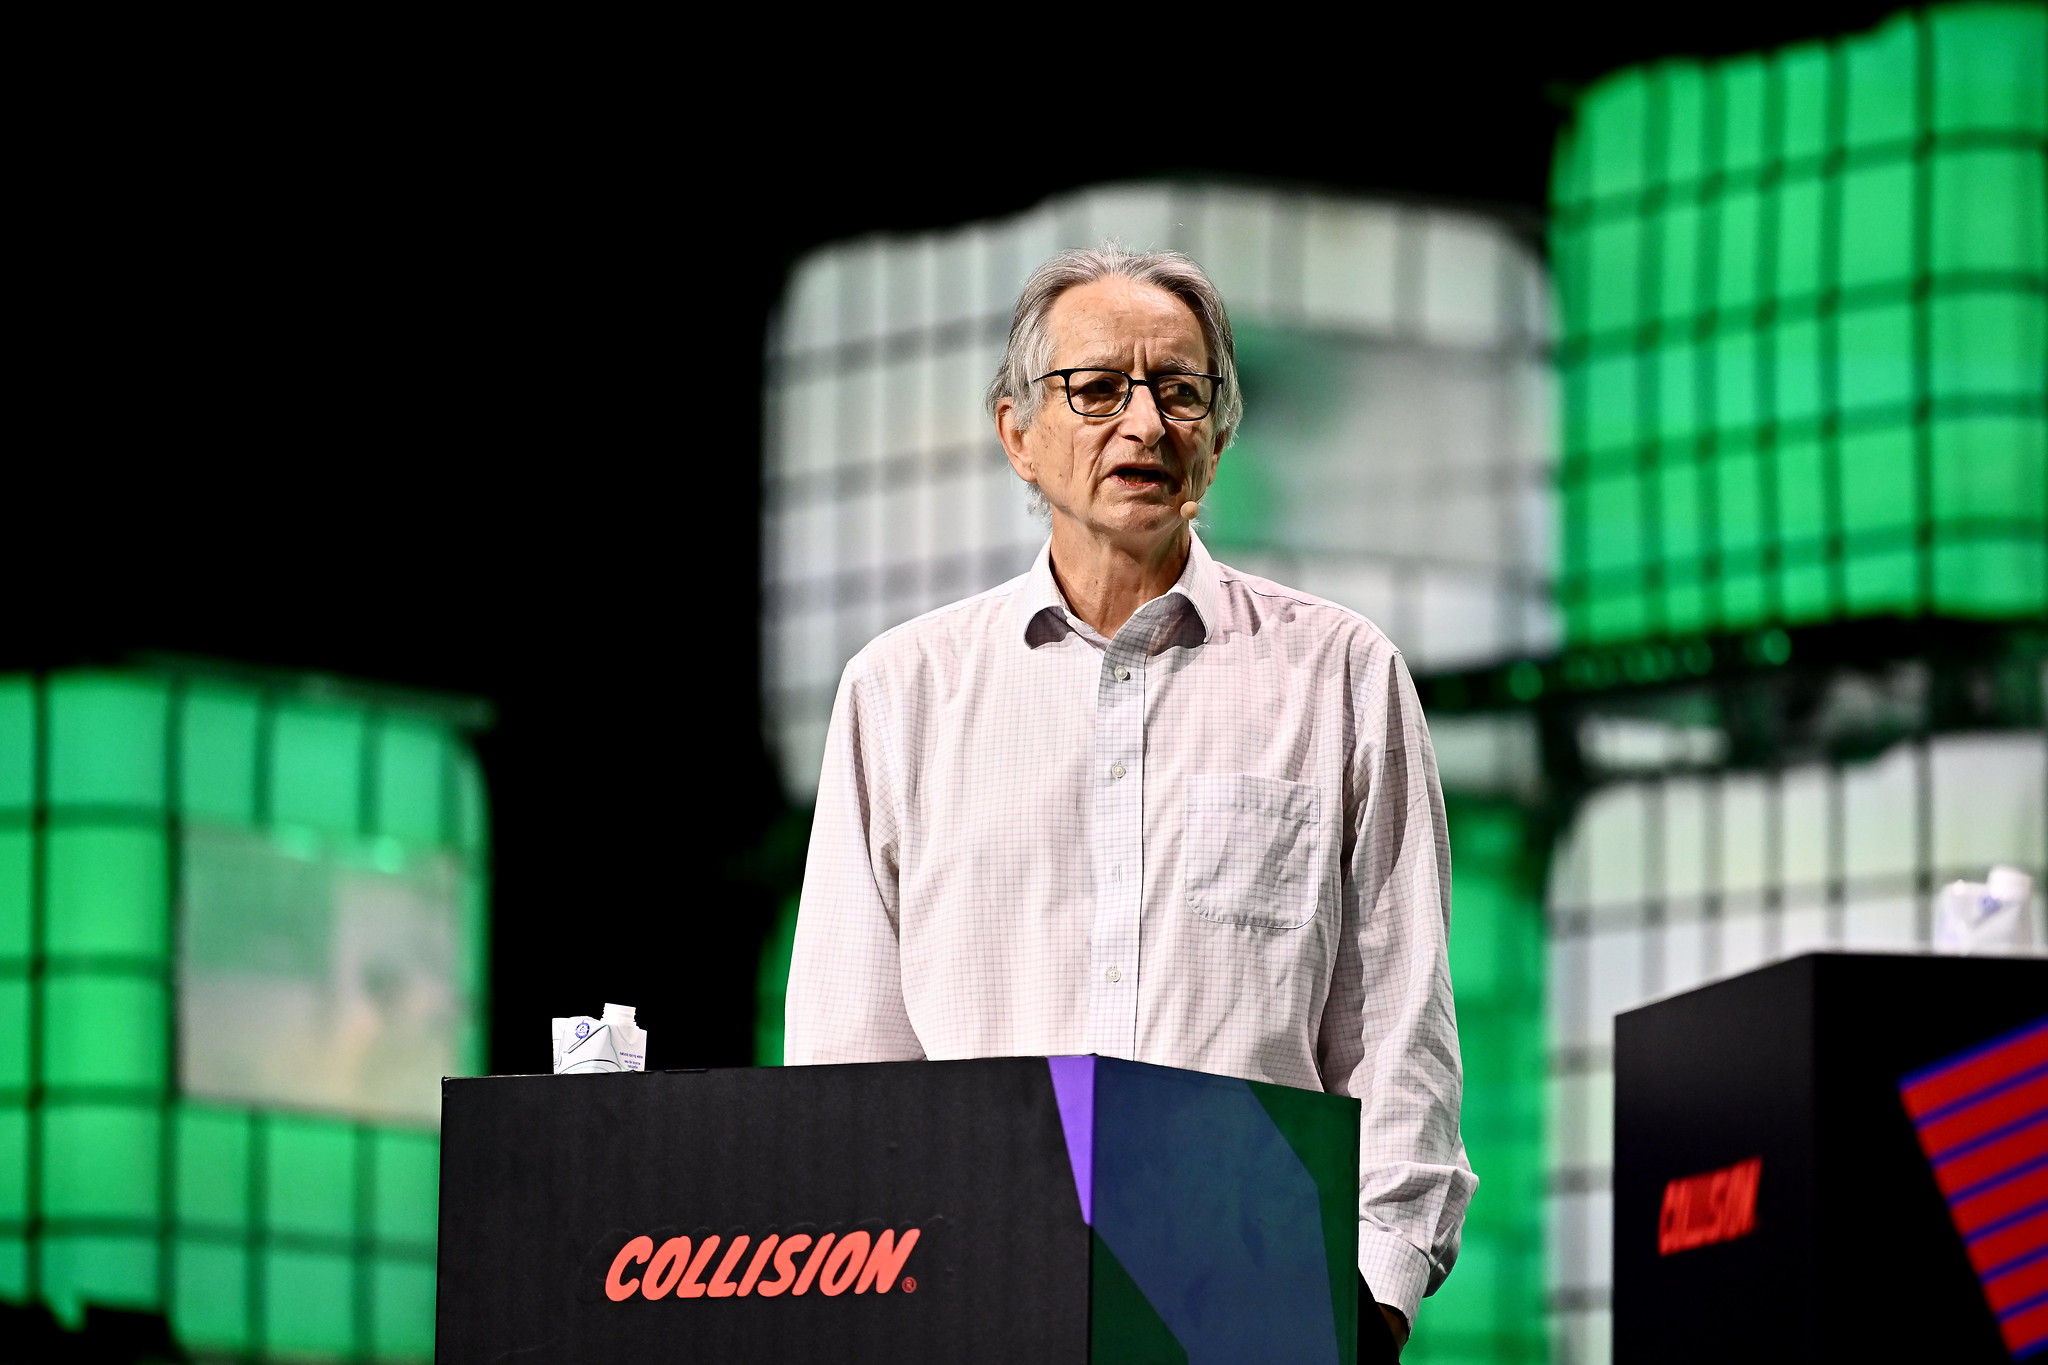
x=1136 y=521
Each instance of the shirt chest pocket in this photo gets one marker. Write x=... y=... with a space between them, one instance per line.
x=1252 y=850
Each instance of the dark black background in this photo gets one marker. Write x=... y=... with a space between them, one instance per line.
x=434 y=358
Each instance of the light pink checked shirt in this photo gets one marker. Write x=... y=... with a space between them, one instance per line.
x=1215 y=841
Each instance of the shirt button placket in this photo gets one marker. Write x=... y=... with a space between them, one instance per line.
x=1119 y=844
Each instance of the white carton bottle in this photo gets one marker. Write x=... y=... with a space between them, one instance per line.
x=1983 y=917
x=584 y=1045
x=627 y=1036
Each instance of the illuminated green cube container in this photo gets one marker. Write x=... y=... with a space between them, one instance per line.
x=241 y=938
x=1804 y=344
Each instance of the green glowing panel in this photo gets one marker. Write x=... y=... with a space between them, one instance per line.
x=108 y=890
x=771 y=989
x=123 y=1045
x=13 y=1033
x=112 y=1271
x=407 y=1172
x=410 y=773
x=15 y=873
x=100 y=1161
x=13 y=1163
x=217 y=755
x=309 y=1302
x=13 y=1268
x=404 y=1325
x=213 y=1168
x=316 y=767
x=17 y=744
x=1491 y=1310
x=472 y=827
x=210 y=1300
x=1804 y=350
x=107 y=741
x=310 y=1177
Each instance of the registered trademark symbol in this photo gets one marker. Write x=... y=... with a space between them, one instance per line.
x=909 y=1284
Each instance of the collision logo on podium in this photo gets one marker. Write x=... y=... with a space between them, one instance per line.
x=833 y=1264
x=1714 y=1206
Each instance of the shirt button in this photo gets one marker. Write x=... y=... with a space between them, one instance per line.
x=1116 y=770
x=1115 y=974
x=1122 y=674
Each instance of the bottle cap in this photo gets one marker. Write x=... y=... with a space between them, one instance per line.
x=619 y=1016
x=2010 y=884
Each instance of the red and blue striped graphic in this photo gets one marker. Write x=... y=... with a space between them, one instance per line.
x=1982 y=1117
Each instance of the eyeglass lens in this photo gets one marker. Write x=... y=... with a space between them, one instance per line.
x=1101 y=393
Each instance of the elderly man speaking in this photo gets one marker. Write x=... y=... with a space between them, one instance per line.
x=1140 y=804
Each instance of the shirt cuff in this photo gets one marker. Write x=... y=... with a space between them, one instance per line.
x=1395 y=1271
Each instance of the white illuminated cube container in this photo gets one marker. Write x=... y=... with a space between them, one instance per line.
x=1395 y=454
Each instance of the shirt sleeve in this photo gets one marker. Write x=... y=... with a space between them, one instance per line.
x=845 y=1000
x=1389 y=1034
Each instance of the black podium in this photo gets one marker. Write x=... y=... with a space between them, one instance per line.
x=1043 y=1210
x=1842 y=1157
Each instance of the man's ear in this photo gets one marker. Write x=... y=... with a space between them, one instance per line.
x=1012 y=437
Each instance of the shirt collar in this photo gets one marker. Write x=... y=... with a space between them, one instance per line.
x=1041 y=593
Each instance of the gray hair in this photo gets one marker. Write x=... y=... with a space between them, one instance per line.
x=1029 y=352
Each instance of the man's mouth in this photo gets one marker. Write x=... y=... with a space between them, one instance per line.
x=1136 y=476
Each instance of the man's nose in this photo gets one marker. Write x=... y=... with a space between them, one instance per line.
x=1144 y=423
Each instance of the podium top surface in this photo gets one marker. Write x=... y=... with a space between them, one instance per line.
x=1835 y=968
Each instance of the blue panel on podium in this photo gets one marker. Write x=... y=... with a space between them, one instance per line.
x=1235 y=1268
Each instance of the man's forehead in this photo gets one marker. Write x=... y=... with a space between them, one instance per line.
x=1116 y=312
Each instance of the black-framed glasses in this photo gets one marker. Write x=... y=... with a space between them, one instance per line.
x=1183 y=396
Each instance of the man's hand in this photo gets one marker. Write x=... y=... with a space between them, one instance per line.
x=1397 y=1324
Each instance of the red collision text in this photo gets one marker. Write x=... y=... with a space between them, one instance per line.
x=833 y=1264
x=1715 y=1206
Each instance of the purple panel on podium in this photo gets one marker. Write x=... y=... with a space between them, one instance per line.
x=1073 y=1084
